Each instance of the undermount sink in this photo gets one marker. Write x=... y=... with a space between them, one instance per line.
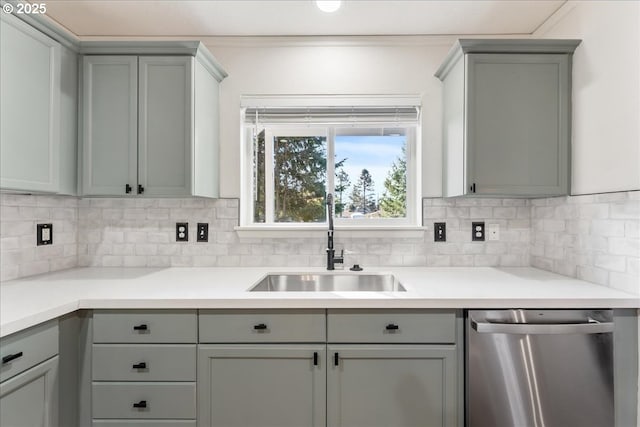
x=328 y=283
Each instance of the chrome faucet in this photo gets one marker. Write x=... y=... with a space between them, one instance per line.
x=332 y=259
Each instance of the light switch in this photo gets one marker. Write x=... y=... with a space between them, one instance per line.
x=493 y=231
x=44 y=234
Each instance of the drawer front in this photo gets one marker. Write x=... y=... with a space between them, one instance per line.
x=144 y=326
x=391 y=326
x=153 y=400
x=141 y=423
x=251 y=326
x=25 y=349
x=144 y=362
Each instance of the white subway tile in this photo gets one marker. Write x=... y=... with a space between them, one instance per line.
x=607 y=228
x=622 y=246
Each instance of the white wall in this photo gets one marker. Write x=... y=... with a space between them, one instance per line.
x=376 y=65
x=606 y=92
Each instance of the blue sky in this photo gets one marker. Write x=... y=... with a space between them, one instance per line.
x=374 y=153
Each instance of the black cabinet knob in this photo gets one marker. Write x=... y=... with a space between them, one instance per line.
x=127 y=188
x=142 y=327
x=8 y=358
x=140 y=189
x=141 y=365
x=260 y=327
x=392 y=327
x=142 y=404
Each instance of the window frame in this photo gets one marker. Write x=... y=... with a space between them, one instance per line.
x=412 y=219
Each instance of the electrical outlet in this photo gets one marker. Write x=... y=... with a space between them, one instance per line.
x=203 y=232
x=493 y=231
x=44 y=234
x=440 y=232
x=477 y=231
x=182 y=232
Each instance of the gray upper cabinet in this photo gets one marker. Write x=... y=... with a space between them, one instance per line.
x=38 y=112
x=164 y=130
x=507 y=117
x=110 y=124
x=150 y=123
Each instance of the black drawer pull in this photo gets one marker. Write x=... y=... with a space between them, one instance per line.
x=315 y=358
x=392 y=327
x=260 y=327
x=10 y=357
x=140 y=189
x=336 y=359
x=127 y=188
x=141 y=365
x=141 y=404
x=142 y=327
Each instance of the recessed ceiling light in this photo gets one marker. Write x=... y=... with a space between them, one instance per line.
x=328 y=5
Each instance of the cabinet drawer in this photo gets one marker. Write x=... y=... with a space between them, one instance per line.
x=144 y=362
x=391 y=326
x=144 y=326
x=25 y=349
x=249 y=326
x=156 y=400
x=142 y=423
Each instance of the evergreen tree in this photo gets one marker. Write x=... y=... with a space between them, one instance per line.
x=393 y=203
x=342 y=182
x=362 y=197
x=299 y=179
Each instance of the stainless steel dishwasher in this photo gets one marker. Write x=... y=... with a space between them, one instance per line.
x=539 y=368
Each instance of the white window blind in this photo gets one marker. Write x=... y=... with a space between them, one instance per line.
x=327 y=110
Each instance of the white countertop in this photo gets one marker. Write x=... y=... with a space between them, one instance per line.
x=27 y=302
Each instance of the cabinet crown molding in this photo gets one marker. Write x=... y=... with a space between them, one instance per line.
x=464 y=46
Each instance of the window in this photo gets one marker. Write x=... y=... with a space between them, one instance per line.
x=365 y=156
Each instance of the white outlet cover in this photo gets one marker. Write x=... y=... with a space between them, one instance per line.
x=493 y=231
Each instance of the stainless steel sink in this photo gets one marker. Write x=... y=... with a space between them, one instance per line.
x=328 y=283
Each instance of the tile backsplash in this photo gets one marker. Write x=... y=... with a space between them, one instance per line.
x=595 y=237
x=130 y=232
x=19 y=215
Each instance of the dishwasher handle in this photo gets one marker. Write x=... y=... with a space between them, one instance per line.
x=591 y=327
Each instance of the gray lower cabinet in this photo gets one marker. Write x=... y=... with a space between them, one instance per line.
x=262 y=368
x=145 y=132
x=144 y=367
x=29 y=375
x=261 y=385
x=365 y=368
x=507 y=117
x=392 y=385
x=38 y=82
x=397 y=368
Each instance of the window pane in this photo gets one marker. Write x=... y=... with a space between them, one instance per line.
x=300 y=174
x=258 y=179
x=371 y=173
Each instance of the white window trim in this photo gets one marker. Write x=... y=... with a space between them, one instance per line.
x=410 y=226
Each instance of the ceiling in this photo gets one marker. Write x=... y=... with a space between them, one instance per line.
x=204 y=18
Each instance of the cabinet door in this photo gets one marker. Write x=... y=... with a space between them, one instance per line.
x=110 y=124
x=166 y=123
x=31 y=398
x=30 y=107
x=391 y=385
x=518 y=124
x=261 y=386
